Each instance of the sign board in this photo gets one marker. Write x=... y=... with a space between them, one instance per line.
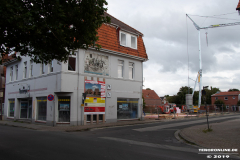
x=50 y=97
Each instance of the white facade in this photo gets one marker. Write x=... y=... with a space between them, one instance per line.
x=67 y=85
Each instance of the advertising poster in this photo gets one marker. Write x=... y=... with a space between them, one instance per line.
x=64 y=107
x=95 y=97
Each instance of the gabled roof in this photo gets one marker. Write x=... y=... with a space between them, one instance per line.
x=238 y=6
x=109 y=39
x=150 y=94
x=233 y=93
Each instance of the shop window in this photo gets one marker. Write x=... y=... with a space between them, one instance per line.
x=42 y=108
x=127 y=108
x=100 y=117
x=94 y=117
x=64 y=109
x=11 y=107
x=120 y=69
x=88 y=118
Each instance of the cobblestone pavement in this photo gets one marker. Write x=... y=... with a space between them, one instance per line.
x=224 y=135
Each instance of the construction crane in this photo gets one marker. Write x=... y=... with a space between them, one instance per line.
x=199 y=75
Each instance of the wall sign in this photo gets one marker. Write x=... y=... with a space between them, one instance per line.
x=109 y=95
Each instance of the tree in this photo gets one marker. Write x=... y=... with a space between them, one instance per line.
x=148 y=88
x=182 y=94
x=219 y=103
x=47 y=30
x=234 y=89
x=238 y=103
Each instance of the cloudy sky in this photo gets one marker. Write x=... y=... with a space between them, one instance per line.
x=171 y=39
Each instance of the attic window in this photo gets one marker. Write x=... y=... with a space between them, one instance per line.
x=128 y=40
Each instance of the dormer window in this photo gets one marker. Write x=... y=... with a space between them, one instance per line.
x=128 y=40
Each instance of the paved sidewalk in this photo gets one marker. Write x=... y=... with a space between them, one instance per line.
x=67 y=128
x=224 y=135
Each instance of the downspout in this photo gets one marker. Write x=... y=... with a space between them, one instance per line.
x=141 y=93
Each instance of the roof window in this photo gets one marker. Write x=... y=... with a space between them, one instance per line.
x=128 y=40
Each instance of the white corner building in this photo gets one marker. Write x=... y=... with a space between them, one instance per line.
x=111 y=78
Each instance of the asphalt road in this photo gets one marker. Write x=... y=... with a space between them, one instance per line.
x=147 y=141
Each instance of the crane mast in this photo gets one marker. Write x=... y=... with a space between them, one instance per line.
x=199 y=76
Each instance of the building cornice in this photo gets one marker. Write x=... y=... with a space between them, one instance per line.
x=120 y=54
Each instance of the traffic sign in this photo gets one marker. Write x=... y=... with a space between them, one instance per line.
x=50 y=97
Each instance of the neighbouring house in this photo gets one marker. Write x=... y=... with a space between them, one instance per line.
x=152 y=100
x=4 y=58
x=238 y=7
x=230 y=99
x=111 y=78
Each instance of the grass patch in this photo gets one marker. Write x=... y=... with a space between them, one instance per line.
x=208 y=130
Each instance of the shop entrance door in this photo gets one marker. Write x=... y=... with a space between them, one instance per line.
x=26 y=109
x=1 y=110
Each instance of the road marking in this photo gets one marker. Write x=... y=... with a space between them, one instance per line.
x=154 y=128
x=160 y=146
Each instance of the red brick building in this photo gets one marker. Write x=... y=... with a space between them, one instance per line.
x=152 y=100
x=230 y=99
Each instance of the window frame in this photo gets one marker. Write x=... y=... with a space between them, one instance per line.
x=31 y=69
x=121 y=38
x=131 y=68
x=43 y=68
x=73 y=56
x=16 y=72
x=128 y=39
x=25 y=70
x=11 y=74
x=122 y=68
x=135 y=41
x=50 y=67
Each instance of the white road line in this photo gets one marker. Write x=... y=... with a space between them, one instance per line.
x=183 y=149
x=154 y=128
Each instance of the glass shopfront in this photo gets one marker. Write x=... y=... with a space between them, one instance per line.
x=63 y=109
x=26 y=108
x=11 y=107
x=42 y=108
x=127 y=108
